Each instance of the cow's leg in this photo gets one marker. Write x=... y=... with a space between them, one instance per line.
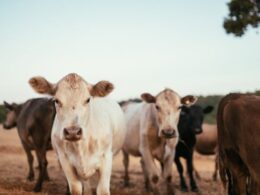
x=215 y=174
x=149 y=164
x=238 y=172
x=41 y=156
x=146 y=177
x=126 y=165
x=183 y=185
x=193 y=184
x=105 y=174
x=197 y=175
x=75 y=185
x=29 y=155
x=167 y=173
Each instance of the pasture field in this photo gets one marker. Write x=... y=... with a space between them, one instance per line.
x=14 y=169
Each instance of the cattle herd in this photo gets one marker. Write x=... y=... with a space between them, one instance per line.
x=86 y=130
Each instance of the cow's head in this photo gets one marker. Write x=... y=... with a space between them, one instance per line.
x=167 y=106
x=73 y=98
x=193 y=116
x=11 y=115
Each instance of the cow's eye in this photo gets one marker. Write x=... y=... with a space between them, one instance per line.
x=57 y=102
x=157 y=107
x=87 y=101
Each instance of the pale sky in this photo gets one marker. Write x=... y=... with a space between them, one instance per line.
x=140 y=46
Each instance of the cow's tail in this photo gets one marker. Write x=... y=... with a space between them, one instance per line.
x=220 y=128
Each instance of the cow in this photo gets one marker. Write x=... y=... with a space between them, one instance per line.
x=238 y=128
x=88 y=129
x=190 y=124
x=206 y=144
x=34 y=120
x=152 y=133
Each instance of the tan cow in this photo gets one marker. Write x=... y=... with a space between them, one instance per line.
x=152 y=134
x=88 y=129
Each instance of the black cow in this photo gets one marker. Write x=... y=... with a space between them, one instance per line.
x=34 y=120
x=190 y=124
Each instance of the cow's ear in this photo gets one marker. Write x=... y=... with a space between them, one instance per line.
x=147 y=97
x=41 y=85
x=188 y=100
x=208 y=109
x=101 y=89
x=8 y=106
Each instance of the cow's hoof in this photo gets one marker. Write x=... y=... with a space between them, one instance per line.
x=184 y=189
x=126 y=185
x=37 y=188
x=47 y=178
x=155 y=179
x=195 y=189
x=30 y=178
x=156 y=192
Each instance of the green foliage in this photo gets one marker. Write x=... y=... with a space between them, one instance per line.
x=212 y=100
x=2 y=113
x=242 y=13
x=257 y=92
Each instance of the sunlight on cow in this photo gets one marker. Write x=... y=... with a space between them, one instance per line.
x=88 y=129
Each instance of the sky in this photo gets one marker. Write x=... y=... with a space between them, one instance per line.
x=139 y=46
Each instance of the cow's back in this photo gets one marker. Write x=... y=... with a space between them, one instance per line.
x=239 y=131
x=36 y=119
x=206 y=142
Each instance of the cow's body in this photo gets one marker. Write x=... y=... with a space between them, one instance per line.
x=207 y=140
x=146 y=137
x=88 y=129
x=34 y=121
x=206 y=144
x=105 y=137
x=239 y=143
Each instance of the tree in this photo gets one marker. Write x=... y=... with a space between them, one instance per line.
x=242 y=13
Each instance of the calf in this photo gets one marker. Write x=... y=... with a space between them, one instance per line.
x=152 y=133
x=88 y=129
x=190 y=124
x=238 y=128
x=34 y=120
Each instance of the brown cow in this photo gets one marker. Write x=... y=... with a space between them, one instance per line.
x=34 y=120
x=207 y=144
x=239 y=143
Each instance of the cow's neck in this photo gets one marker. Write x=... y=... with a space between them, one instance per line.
x=85 y=156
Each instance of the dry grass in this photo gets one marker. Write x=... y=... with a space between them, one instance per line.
x=14 y=169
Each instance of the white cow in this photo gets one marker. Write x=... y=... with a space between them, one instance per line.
x=152 y=133
x=88 y=129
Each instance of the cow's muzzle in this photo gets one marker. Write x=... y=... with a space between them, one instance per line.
x=8 y=126
x=198 y=130
x=73 y=133
x=169 y=133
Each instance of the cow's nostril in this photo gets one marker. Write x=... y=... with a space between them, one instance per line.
x=79 y=132
x=169 y=133
x=66 y=132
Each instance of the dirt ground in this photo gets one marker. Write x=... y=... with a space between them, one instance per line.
x=14 y=169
